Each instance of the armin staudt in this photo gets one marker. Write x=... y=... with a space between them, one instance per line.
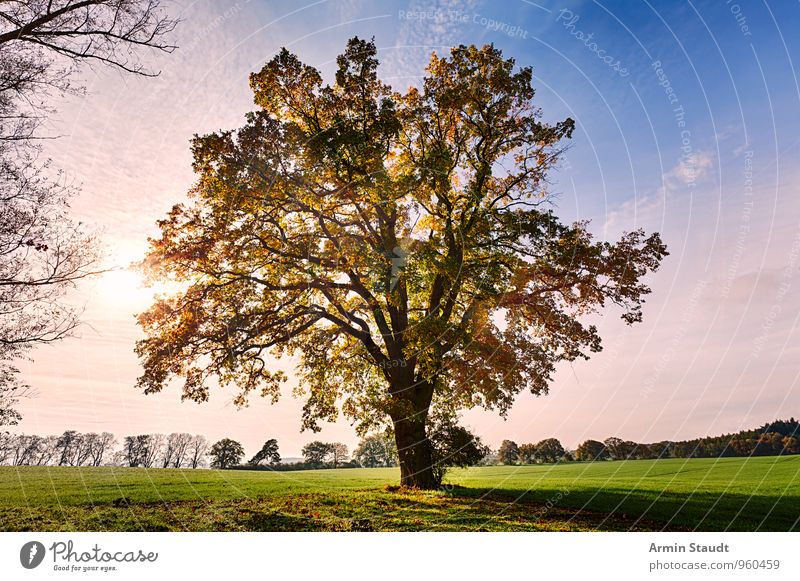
x=692 y=548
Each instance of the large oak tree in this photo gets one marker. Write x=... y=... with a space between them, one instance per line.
x=43 y=252
x=401 y=245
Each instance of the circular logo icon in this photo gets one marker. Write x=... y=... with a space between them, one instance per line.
x=31 y=554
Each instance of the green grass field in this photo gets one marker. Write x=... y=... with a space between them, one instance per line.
x=742 y=494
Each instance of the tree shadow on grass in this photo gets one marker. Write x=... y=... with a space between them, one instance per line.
x=273 y=521
x=613 y=509
x=453 y=509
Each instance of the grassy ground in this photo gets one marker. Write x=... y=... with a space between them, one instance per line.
x=700 y=494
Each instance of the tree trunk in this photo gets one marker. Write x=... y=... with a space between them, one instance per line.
x=415 y=454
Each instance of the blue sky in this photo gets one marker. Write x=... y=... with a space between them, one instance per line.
x=688 y=127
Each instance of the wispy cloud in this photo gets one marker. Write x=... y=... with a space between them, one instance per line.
x=424 y=26
x=690 y=170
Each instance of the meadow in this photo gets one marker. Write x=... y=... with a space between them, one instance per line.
x=737 y=494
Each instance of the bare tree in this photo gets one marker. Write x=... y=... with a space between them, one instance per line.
x=83 y=448
x=42 y=43
x=11 y=389
x=66 y=444
x=338 y=454
x=118 y=458
x=197 y=450
x=25 y=449
x=175 y=450
x=133 y=450
x=168 y=451
x=6 y=442
x=47 y=450
x=100 y=446
x=15 y=445
x=153 y=449
x=43 y=253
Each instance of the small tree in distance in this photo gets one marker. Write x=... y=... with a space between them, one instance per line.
x=338 y=454
x=175 y=450
x=100 y=446
x=226 y=453
x=376 y=450
x=197 y=449
x=316 y=453
x=508 y=452
x=268 y=452
x=527 y=453
x=617 y=448
x=591 y=450
x=550 y=450
x=134 y=450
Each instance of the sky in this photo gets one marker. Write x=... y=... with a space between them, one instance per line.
x=686 y=123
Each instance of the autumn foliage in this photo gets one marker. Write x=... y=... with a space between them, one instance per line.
x=401 y=245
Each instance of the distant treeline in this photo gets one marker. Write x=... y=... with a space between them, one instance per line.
x=771 y=439
x=294 y=466
x=183 y=450
x=72 y=448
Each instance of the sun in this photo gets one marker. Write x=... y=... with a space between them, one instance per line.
x=124 y=287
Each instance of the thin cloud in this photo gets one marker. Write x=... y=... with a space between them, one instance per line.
x=691 y=169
